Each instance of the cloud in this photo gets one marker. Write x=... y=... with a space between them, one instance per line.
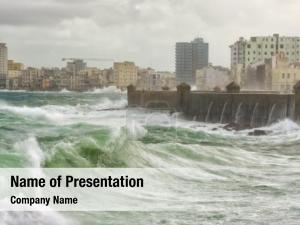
x=144 y=31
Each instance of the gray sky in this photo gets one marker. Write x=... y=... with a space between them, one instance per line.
x=41 y=32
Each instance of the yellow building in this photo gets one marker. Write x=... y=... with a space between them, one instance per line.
x=14 y=74
x=125 y=74
x=284 y=74
x=15 y=65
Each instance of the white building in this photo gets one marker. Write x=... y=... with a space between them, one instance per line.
x=259 y=48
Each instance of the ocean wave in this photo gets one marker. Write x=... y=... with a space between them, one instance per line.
x=29 y=218
x=66 y=113
x=32 y=149
x=65 y=91
x=7 y=90
x=109 y=89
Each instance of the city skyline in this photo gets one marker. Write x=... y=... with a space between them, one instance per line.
x=39 y=33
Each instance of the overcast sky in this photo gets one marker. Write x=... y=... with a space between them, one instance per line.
x=41 y=32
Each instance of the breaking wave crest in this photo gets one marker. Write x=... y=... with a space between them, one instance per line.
x=105 y=90
x=59 y=113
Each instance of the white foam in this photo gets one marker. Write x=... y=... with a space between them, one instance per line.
x=32 y=149
x=64 y=90
x=30 y=218
x=68 y=114
x=109 y=89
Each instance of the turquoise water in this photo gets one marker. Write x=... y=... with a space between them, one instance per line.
x=242 y=179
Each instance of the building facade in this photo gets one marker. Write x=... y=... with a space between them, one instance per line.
x=75 y=66
x=14 y=75
x=3 y=65
x=284 y=74
x=190 y=56
x=260 y=48
x=125 y=74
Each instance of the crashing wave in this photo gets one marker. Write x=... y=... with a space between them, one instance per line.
x=110 y=89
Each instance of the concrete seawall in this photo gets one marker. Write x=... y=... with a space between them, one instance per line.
x=244 y=109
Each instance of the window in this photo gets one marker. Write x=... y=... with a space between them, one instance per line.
x=259 y=46
x=281 y=46
x=272 y=46
x=249 y=46
x=283 y=76
x=288 y=76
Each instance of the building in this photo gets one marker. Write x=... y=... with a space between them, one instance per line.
x=14 y=75
x=275 y=74
x=190 y=56
x=125 y=74
x=95 y=77
x=210 y=77
x=284 y=74
x=238 y=53
x=259 y=48
x=108 y=75
x=12 y=65
x=3 y=65
x=31 y=79
x=151 y=82
x=75 y=66
x=143 y=79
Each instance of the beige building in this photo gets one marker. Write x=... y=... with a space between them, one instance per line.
x=14 y=75
x=93 y=76
x=12 y=65
x=284 y=74
x=143 y=78
x=149 y=79
x=31 y=79
x=125 y=73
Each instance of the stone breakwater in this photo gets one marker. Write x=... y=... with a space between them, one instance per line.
x=236 y=109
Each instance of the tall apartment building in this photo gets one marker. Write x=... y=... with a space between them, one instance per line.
x=259 y=48
x=125 y=74
x=190 y=56
x=75 y=66
x=3 y=65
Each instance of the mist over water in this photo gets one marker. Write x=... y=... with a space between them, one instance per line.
x=240 y=179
